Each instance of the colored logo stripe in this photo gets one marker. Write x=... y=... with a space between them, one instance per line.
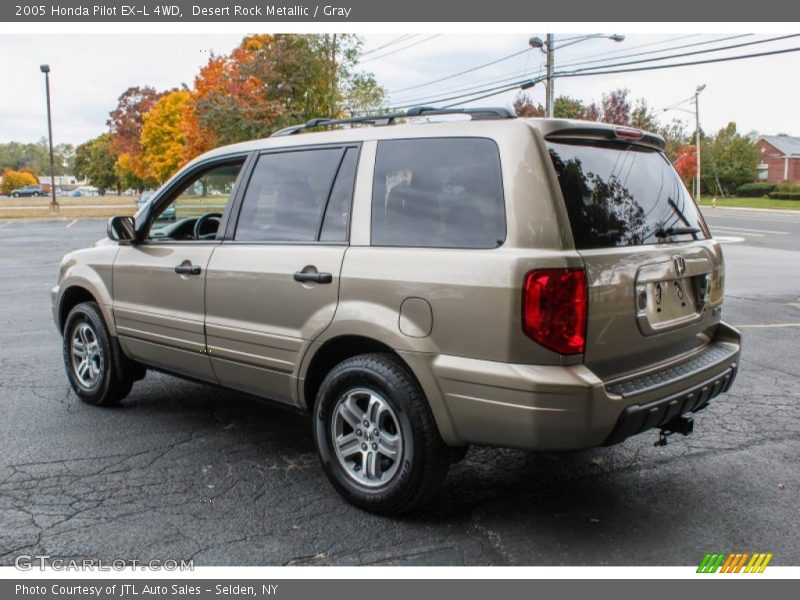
x=734 y=562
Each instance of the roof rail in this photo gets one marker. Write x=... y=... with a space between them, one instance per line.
x=390 y=118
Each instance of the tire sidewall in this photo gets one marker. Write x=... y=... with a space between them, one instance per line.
x=339 y=381
x=86 y=313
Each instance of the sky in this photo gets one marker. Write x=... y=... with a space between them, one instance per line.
x=89 y=72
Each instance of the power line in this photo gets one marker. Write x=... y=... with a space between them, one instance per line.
x=395 y=51
x=695 y=52
x=595 y=71
x=432 y=81
x=680 y=47
x=402 y=38
x=477 y=84
x=647 y=45
x=503 y=79
x=589 y=72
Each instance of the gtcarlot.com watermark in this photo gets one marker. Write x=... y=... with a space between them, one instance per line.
x=30 y=562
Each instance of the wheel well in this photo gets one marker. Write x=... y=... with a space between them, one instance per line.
x=335 y=351
x=70 y=299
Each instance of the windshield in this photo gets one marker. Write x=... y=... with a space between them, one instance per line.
x=623 y=195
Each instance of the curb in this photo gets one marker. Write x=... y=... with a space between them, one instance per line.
x=783 y=211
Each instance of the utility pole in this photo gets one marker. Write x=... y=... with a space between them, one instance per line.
x=697 y=91
x=53 y=202
x=548 y=48
x=332 y=107
x=549 y=90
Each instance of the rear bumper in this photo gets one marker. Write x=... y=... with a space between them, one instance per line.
x=569 y=407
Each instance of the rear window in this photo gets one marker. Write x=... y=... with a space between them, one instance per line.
x=623 y=195
x=438 y=193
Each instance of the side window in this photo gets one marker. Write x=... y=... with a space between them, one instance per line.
x=288 y=194
x=337 y=216
x=206 y=194
x=438 y=193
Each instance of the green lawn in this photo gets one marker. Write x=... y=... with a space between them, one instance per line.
x=752 y=203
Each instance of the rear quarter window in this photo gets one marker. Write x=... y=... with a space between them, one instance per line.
x=438 y=193
x=622 y=195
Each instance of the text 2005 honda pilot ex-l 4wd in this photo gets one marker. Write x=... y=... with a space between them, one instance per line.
x=417 y=287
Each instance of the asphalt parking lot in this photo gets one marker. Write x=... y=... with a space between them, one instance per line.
x=182 y=471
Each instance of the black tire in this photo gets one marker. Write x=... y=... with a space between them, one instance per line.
x=114 y=377
x=424 y=458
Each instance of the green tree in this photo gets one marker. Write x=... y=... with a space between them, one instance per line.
x=643 y=117
x=565 y=107
x=36 y=156
x=95 y=160
x=729 y=159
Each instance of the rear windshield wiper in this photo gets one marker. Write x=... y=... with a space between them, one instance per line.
x=662 y=232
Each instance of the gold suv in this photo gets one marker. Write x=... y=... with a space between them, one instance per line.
x=417 y=286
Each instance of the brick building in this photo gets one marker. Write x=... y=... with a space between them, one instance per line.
x=780 y=158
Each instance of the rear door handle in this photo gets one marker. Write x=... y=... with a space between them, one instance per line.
x=315 y=277
x=190 y=269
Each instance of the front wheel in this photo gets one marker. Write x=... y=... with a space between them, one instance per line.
x=94 y=370
x=376 y=436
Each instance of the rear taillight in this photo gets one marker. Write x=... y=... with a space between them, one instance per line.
x=554 y=303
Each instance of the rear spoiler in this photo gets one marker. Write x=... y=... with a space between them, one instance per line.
x=607 y=133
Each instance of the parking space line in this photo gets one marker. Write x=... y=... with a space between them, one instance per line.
x=747 y=230
x=769 y=326
x=6 y=224
x=71 y=224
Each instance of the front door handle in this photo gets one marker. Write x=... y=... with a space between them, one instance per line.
x=187 y=269
x=315 y=277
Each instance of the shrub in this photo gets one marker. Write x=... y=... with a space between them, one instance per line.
x=754 y=190
x=787 y=186
x=785 y=195
x=16 y=179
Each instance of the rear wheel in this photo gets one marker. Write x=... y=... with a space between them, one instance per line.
x=376 y=436
x=96 y=372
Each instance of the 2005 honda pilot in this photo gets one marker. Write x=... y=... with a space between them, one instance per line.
x=417 y=287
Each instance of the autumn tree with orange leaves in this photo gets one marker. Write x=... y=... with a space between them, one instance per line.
x=162 y=139
x=271 y=81
x=265 y=83
x=125 y=123
x=686 y=163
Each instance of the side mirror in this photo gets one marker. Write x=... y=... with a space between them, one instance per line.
x=121 y=229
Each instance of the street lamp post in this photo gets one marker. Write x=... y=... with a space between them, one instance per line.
x=548 y=47
x=697 y=91
x=53 y=202
x=696 y=112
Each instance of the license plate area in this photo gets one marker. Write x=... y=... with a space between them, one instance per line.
x=666 y=299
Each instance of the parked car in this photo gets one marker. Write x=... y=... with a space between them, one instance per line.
x=543 y=284
x=85 y=190
x=35 y=190
x=168 y=214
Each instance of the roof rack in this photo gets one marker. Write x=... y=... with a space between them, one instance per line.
x=477 y=114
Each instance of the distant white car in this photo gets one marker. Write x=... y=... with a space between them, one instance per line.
x=85 y=190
